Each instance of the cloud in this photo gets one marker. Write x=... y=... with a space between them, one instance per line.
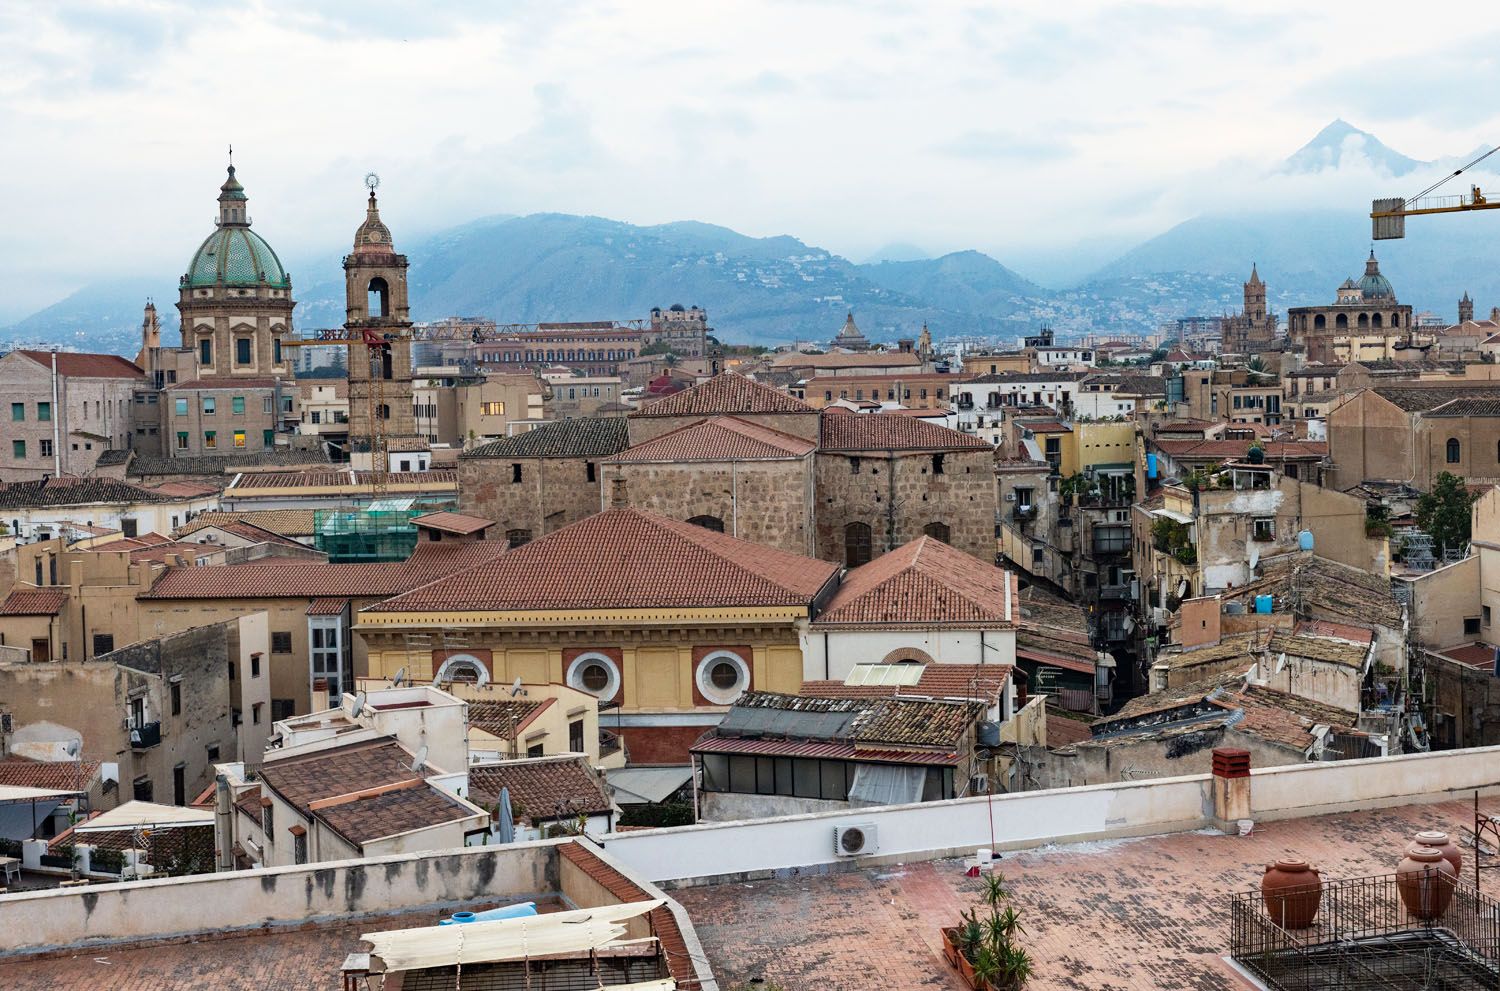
x=1000 y=145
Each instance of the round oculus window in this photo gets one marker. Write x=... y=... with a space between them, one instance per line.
x=722 y=677
x=594 y=676
x=594 y=673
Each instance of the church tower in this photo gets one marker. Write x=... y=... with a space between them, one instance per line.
x=1465 y=309
x=382 y=426
x=1255 y=296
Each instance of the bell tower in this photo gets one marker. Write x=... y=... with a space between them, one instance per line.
x=1466 y=309
x=1255 y=295
x=382 y=428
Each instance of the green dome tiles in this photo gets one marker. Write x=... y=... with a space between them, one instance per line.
x=236 y=256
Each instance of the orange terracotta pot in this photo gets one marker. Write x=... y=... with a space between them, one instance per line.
x=1443 y=842
x=950 y=946
x=1425 y=881
x=1292 y=892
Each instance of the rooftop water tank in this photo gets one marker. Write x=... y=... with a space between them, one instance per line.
x=1305 y=540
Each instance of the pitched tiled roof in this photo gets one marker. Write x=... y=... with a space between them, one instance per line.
x=310 y=579
x=498 y=717
x=1335 y=631
x=1276 y=450
x=720 y=438
x=1488 y=406
x=327 y=607
x=97 y=366
x=680 y=962
x=885 y=432
x=924 y=583
x=218 y=464
x=542 y=789
x=876 y=723
x=69 y=491
x=727 y=392
x=941 y=681
x=23 y=772
x=251 y=531
x=576 y=437
x=114 y=456
x=1062 y=730
x=1319 y=649
x=458 y=523
x=389 y=811
x=827 y=750
x=436 y=478
x=248 y=802
x=838 y=359
x=287 y=522
x=625 y=559
x=915 y=722
x=1419 y=398
x=306 y=778
x=1000 y=378
x=34 y=602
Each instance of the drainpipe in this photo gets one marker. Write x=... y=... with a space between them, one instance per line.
x=56 y=433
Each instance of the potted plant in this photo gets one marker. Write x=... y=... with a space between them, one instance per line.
x=985 y=950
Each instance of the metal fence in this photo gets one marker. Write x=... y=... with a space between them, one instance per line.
x=1363 y=937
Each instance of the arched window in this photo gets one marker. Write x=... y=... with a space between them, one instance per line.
x=383 y=411
x=378 y=299
x=708 y=523
x=518 y=537
x=856 y=544
x=1341 y=322
x=1319 y=322
x=1377 y=321
x=937 y=531
x=1455 y=453
x=1364 y=321
x=466 y=669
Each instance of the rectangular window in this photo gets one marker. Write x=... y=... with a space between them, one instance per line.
x=1471 y=626
x=18 y=412
x=282 y=709
x=176 y=698
x=182 y=440
x=18 y=449
x=103 y=643
x=210 y=438
x=276 y=350
x=46 y=447
x=239 y=438
x=281 y=643
x=492 y=409
x=265 y=405
x=575 y=736
x=835 y=787
x=237 y=405
x=128 y=526
x=242 y=350
x=255 y=708
x=1263 y=529
x=299 y=847
x=44 y=412
x=205 y=352
x=255 y=665
x=180 y=407
x=268 y=438
x=210 y=405
x=536 y=750
x=515 y=471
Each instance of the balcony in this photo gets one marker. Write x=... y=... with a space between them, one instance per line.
x=144 y=736
x=609 y=744
x=1024 y=512
x=1120 y=591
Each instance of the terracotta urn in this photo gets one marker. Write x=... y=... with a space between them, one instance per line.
x=1292 y=891
x=1425 y=881
x=1442 y=841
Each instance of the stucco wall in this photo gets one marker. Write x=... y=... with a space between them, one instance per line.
x=846 y=648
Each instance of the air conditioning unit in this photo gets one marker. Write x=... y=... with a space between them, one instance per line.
x=855 y=840
x=978 y=784
x=1010 y=497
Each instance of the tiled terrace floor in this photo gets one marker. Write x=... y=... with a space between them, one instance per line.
x=1126 y=914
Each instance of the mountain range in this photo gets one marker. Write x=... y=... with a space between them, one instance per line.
x=557 y=267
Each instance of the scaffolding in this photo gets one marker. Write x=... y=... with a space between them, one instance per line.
x=382 y=531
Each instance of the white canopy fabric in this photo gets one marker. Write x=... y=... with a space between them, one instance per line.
x=133 y=814
x=504 y=939
x=1172 y=514
x=15 y=793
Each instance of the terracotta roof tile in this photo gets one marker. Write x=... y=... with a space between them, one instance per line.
x=1276 y=450
x=575 y=437
x=391 y=811
x=256 y=480
x=1061 y=731
x=494 y=716
x=887 y=432
x=327 y=607
x=1335 y=631
x=625 y=559
x=1414 y=398
x=311 y=580
x=34 y=602
x=915 y=722
x=721 y=438
x=727 y=392
x=457 y=523
x=943 y=681
x=542 y=789
x=248 y=802
x=923 y=583
x=825 y=749
x=838 y=359
x=306 y=778
x=663 y=923
x=287 y=522
x=72 y=365
x=23 y=772
x=69 y=491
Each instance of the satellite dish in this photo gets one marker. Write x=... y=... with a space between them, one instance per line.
x=400 y=678
x=71 y=748
x=359 y=704
x=1281 y=662
x=515 y=688
x=1254 y=557
x=420 y=760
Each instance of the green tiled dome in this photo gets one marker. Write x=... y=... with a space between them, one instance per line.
x=236 y=256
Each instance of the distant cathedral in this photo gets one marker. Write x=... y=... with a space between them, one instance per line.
x=1254 y=329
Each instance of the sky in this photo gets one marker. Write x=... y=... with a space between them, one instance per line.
x=1040 y=133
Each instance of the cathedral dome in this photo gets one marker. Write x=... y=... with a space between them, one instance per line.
x=234 y=255
x=1373 y=285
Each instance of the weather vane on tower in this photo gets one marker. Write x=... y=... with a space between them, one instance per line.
x=372 y=181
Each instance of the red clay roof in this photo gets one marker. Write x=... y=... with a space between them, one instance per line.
x=893 y=432
x=1276 y=450
x=924 y=583
x=311 y=580
x=625 y=559
x=542 y=789
x=830 y=750
x=1062 y=731
x=458 y=523
x=23 y=772
x=983 y=682
x=1338 y=631
x=493 y=716
x=34 y=602
x=97 y=366
x=391 y=811
x=721 y=438
x=727 y=392
x=328 y=607
x=324 y=478
x=306 y=778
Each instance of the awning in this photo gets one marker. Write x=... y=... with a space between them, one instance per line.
x=641 y=785
x=531 y=936
x=133 y=814
x=1172 y=514
x=14 y=793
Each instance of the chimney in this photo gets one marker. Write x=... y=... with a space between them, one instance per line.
x=1231 y=783
x=618 y=498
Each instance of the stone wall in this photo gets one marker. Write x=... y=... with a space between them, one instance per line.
x=805 y=425
x=768 y=502
x=552 y=492
x=898 y=495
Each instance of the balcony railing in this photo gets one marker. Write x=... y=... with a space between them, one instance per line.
x=609 y=743
x=1121 y=591
x=144 y=736
x=1025 y=512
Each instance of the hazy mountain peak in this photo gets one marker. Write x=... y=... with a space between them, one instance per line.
x=1341 y=143
x=898 y=251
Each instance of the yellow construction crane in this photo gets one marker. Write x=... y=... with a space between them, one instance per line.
x=1388 y=216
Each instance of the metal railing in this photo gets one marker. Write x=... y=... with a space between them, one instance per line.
x=1363 y=937
x=144 y=736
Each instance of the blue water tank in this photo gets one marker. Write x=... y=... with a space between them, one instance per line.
x=1305 y=540
x=1263 y=603
x=516 y=911
x=1150 y=466
x=459 y=919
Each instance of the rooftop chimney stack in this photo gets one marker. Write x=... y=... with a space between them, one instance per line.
x=1231 y=783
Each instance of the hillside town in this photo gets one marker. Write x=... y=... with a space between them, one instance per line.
x=606 y=654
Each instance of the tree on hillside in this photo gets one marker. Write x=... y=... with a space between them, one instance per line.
x=1443 y=513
